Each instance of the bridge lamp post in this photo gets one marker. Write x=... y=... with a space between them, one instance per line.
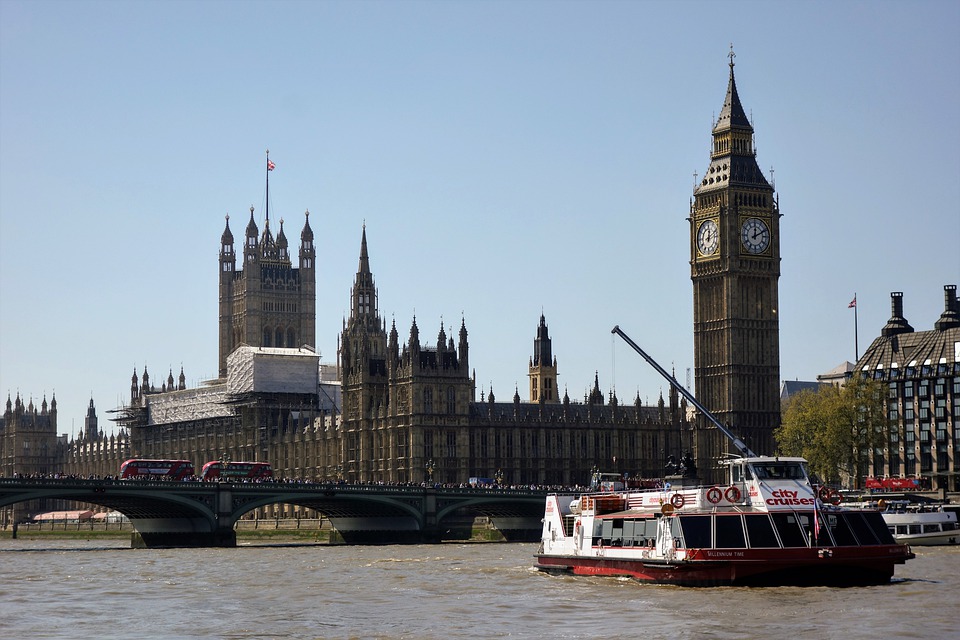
x=430 y=467
x=498 y=476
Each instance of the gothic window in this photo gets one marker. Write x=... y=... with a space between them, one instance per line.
x=352 y=447
x=428 y=400
x=267 y=333
x=279 y=341
x=428 y=444
x=291 y=338
x=451 y=444
x=451 y=400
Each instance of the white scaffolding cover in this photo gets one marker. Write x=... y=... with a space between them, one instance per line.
x=272 y=370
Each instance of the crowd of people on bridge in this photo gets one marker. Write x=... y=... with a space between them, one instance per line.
x=306 y=481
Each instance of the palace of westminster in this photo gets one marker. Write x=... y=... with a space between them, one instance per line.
x=393 y=410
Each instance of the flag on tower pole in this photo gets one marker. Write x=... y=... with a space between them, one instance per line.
x=856 y=345
x=270 y=165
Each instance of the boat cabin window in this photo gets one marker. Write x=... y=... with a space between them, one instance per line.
x=760 y=531
x=840 y=530
x=778 y=470
x=625 y=532
x=878 y=526
x=729 y=531
x=788 y=526
x=696 y=531
x=861 y=526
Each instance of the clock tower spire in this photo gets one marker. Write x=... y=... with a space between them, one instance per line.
x=735 y=269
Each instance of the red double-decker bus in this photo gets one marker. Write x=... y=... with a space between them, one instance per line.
x=216 y=469
x=156 y=469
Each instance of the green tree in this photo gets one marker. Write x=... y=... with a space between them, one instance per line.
x=835 y=428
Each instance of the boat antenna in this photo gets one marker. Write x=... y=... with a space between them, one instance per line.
x=737 y=442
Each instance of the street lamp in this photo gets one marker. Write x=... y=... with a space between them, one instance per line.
x=430 y=467
x=498 y=476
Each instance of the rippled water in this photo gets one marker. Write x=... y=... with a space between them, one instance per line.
x=76 y=589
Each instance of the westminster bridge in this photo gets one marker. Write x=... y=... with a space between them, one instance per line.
x=203 y=514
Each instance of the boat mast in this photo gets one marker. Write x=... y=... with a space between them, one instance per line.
x=737 y=442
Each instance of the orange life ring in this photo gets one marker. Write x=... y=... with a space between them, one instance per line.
x=732 y=494
x=824 y=493
x=677 y=501
x=714 y=495
x=834 y=497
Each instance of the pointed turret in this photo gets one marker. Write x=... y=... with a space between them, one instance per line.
x=307 y=252
x=364 y=294
x=251 y=247
x=464 y=346
x=282 y=252
x=134 y=387
x=90 y=423
x=596 y=396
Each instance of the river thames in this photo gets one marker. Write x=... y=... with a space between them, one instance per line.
x=101 y=589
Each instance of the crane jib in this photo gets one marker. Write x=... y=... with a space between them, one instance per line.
x=737 y=442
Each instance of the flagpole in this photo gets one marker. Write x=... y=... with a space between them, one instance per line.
x=856 y=338
x=268 y=188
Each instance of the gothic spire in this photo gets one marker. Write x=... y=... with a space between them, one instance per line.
x=364 y=258
x=732 y=114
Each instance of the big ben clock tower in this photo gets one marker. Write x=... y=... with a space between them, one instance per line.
x=735 y=267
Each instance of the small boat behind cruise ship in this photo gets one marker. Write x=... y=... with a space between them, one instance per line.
x=917 y=524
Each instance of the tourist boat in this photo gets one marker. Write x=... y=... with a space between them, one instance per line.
x=767 y=524
x=917 y=524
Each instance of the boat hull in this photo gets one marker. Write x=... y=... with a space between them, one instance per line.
x=838 y=567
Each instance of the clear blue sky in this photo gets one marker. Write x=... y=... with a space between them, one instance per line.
x=508 y=158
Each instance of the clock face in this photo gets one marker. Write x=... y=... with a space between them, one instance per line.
x=708 y=237
x=755 y=235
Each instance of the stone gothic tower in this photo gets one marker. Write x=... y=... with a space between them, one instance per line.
x=91 y=426
x=404 y=405
x=363 y=348
x=735 y=268
x=269 y=302
x=543 y=368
